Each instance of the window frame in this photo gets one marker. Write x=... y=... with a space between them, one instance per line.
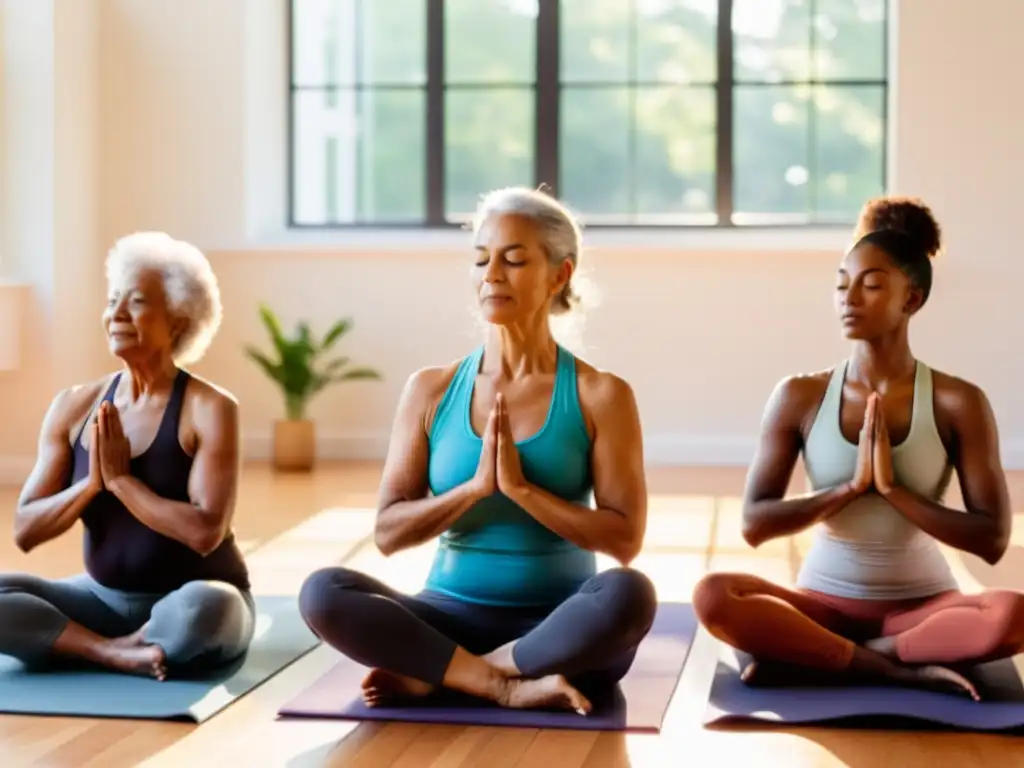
x=547 y=106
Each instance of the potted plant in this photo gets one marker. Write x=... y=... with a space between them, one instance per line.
x=301 y=376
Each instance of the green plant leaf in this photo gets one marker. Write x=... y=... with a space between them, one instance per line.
x=319 y=382
x=296 y=370
x=273 y=326
x=358 y=373
x=270 y=368
x=335 y=365
x=306 y=336
x=339 y=329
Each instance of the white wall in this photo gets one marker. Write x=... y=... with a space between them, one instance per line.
x=49 y=206
x=191 y=139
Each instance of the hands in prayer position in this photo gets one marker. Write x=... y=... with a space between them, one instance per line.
x=110 y=448
x=874 y=451
x=500 y=468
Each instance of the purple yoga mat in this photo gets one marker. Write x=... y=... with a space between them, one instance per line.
x=637 y=704
x=999 y=683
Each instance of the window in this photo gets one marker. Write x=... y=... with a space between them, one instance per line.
x=635 y=112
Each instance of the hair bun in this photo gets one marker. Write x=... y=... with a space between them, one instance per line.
x=908 y=215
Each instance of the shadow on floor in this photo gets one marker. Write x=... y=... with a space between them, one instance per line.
x=862 y=747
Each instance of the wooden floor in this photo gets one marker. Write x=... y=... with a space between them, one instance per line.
x=291 y=525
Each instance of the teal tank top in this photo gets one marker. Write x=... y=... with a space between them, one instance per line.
x=496 y=553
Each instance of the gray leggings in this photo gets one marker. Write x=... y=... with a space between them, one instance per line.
x=203 y=624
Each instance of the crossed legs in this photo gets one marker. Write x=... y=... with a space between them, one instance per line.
x=200 y=624
x=901 y=640
x=516 y=657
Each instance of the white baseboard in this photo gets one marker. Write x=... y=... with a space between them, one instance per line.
x=660 y=450
x=664 y=450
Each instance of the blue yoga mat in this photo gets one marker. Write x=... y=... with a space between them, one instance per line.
x=637 y=704
x=281 y=638
x=878 y=707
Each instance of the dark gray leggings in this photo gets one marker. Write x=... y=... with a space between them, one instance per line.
x=202 y=624
x=591 y=637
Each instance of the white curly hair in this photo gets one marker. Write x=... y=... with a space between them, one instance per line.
x=189 y=284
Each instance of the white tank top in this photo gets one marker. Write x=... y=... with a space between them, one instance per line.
x=868 y=550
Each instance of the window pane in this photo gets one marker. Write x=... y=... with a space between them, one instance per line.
x=770 y=150
x=676 y=41
x=849 y=149
x=344 y=42
x=359 y=156
x=849 y=39
x=771 y=40
x=392 y=41
x=675 y=155
x=490 y=41
x=488 y=144
x=594 y=150
x=594 y=39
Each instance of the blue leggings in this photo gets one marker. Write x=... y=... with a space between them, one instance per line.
x=591 y=637
x=201 y=625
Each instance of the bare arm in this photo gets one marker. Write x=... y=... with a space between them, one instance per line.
x=204 y=522
x=617 y=525
x=407 y=515
x=767 y=514
x=46 y=508
x=985 y=529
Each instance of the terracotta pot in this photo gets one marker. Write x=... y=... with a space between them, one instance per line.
x=294 y=445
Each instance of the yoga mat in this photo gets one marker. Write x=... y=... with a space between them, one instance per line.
x=281 y=638
x=637 y=704
x=877 y=707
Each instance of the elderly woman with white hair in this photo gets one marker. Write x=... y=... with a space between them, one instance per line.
x=526 y=461
x=147 y=459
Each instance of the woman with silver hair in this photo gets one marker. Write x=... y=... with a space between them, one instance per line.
x=526 y=461
x=147 y=459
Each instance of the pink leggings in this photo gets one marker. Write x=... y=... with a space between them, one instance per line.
x=815 y=630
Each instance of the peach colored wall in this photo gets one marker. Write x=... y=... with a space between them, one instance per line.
x=190 y=136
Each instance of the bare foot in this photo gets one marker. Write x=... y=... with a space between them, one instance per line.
x=550 y=692
x=381 y=686
x=501 y=659
x=133 y=640
x=943 y=679
x=136 y=659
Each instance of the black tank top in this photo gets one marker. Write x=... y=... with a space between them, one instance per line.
x=123 y=553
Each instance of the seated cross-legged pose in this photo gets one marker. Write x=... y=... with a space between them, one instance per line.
x=499 y=454
x=147 y=459
x=880 y=436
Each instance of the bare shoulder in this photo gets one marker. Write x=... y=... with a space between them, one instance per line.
x=423 y=392
x=803 y=387
x=206 y=394
x=796 y=398
x=958 y=398
x=428 y=384
x=71 y=406
x=605 y=398
x=600 y=389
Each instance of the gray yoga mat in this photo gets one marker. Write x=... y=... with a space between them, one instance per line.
x=877 y=707
x=281 y=638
